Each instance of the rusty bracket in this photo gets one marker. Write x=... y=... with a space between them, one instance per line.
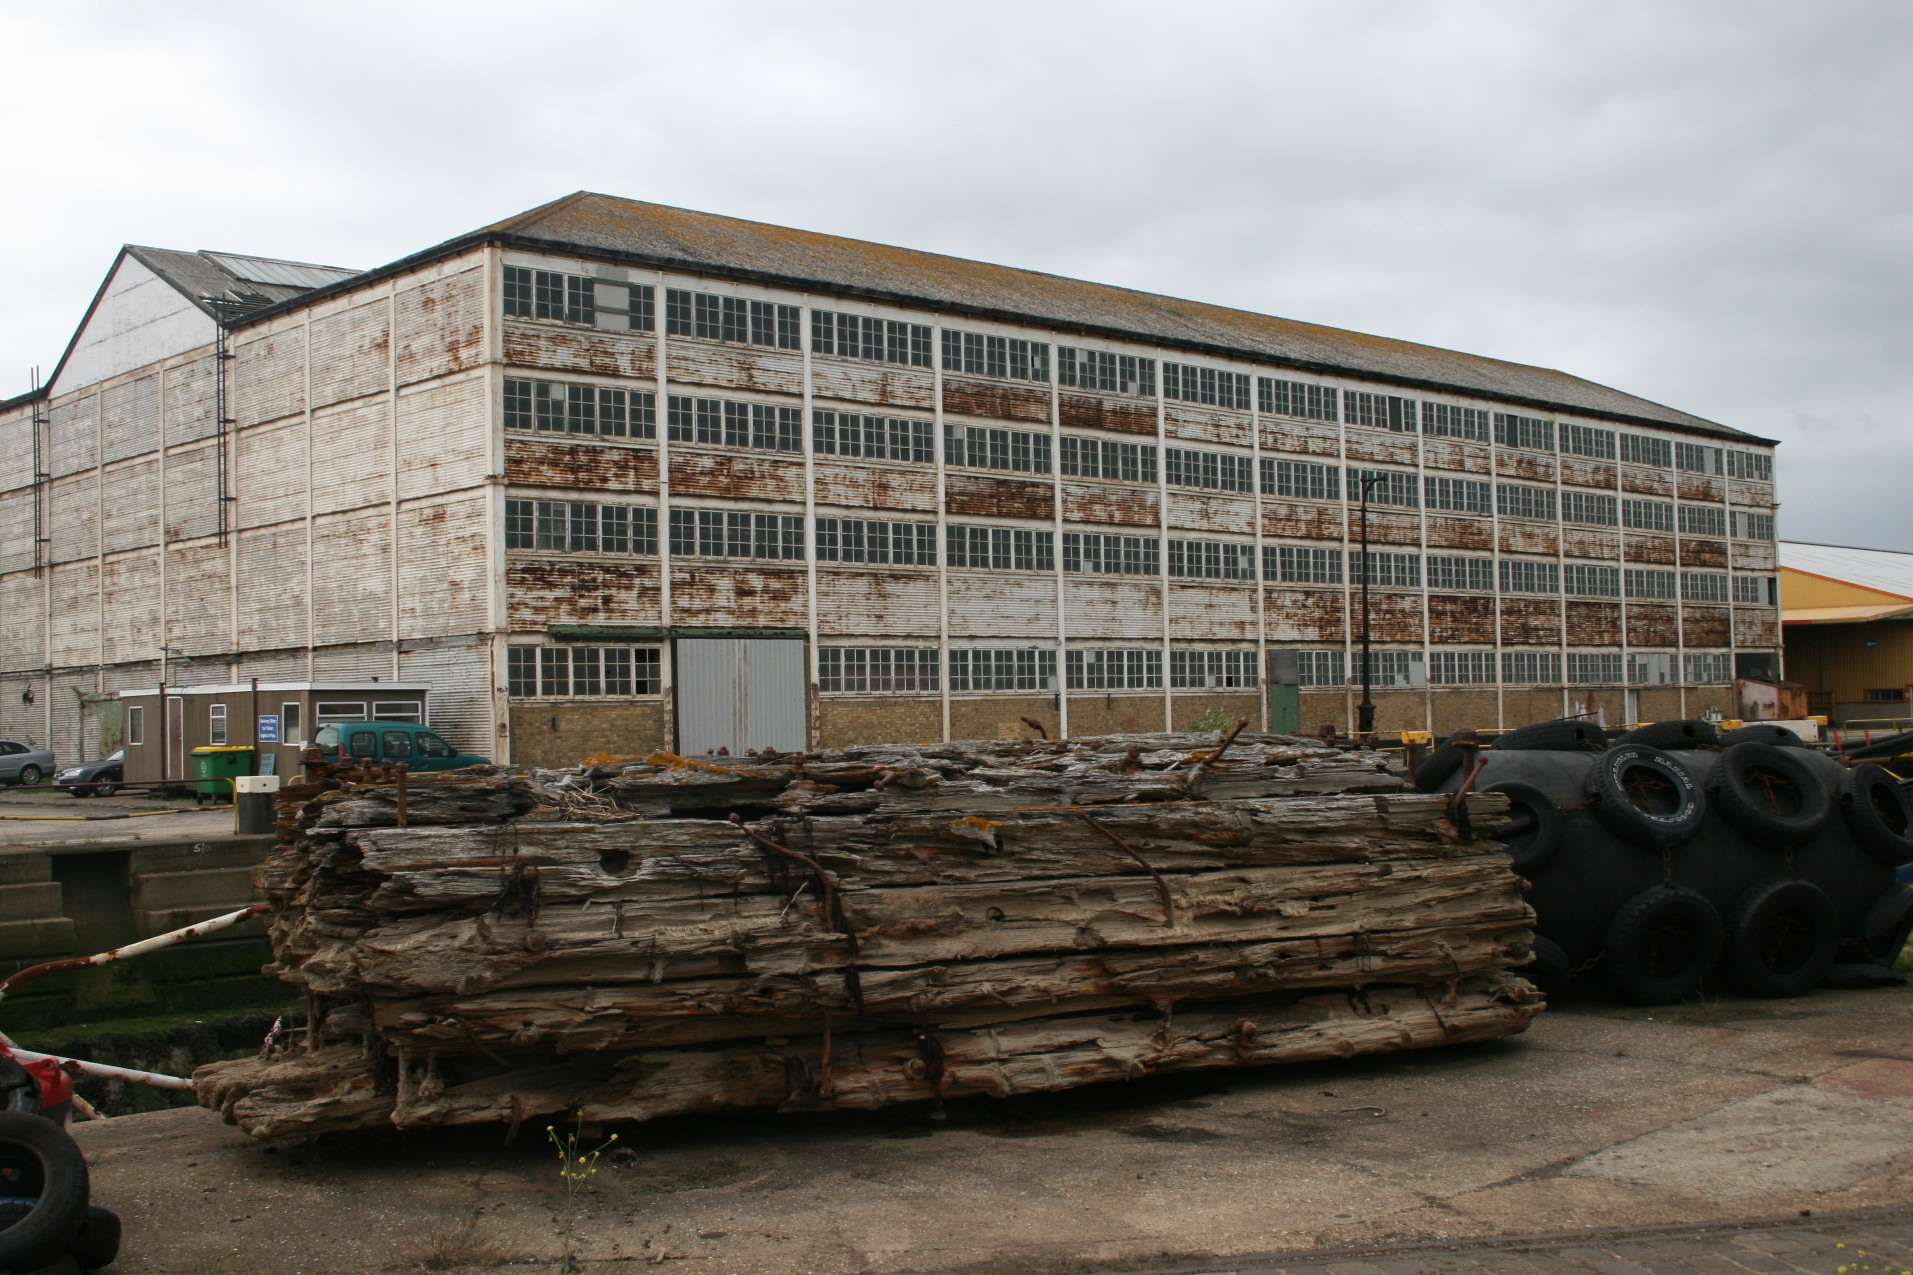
x=140 y=948
x=1458 y=801
x=832 y=906
x=1202 y=767
x=1036 y=726
x=1162 y=885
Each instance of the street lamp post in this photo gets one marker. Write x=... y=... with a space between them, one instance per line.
x=1365 y=711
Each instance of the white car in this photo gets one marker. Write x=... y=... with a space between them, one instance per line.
x=23 y=764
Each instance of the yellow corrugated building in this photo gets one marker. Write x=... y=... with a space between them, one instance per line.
x=1847 y=617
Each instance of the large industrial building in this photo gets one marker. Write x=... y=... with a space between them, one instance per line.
x=1848 y=619
x=612 y=476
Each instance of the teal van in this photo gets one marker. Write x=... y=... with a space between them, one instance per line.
x=389 y=744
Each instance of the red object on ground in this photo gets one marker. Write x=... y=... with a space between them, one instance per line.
x=56 y=1087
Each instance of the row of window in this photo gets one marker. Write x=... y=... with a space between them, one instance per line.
x=556 y=407
x=1703 y=520
x=713 y=317
x=722 y=422
x=877 y=670
x=583 y=672
x=1085 y=457
x=1211 y=560
x=1107 y=373
x=1207 y=471
x=903 y=544
x=733 y=533
x=858 y=336
x=571 y=298
x=1110 y=553
x=1408 y=669
x=979 y=354
x=1213 y=386
x=576 y=526
x=872 y=437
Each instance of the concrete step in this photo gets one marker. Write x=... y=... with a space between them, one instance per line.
x=151 y=921
x=195 y=856
x=30 y=901
x=192 y=889
x=42 y=936
x=20 y=868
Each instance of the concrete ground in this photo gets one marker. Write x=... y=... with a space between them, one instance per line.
x=1601 y=1117
x=45 y=817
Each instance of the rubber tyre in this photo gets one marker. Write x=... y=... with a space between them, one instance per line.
x=105 y=790
x=96 y=1244
x=1762 y=733
x=1782 y=936
x=46 y=1231
x=1433 y=771
x=1752 y=776
x=1564 y=735
x=1550 y=970
x=1675 y=736
x=1888 y=925
x=1536 y=823
x=1643 y=795
x=1880 y=813
x=30 y=777
x=1662 y=943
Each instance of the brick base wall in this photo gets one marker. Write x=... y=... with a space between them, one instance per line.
x=1661 y=704
x=1521 y=706
x=1464 y=708
x=1700 y=699
x=563 y=734
x=1093 y=714
x=995 y=716
x=1320 y=708
x=844 y=722
x=1189 y=709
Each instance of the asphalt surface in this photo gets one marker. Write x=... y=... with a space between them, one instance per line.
x=46 y=817
x=1602 y=1123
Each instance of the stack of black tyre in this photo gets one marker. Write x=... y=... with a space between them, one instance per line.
x=1676 y=857
x=48 y=1225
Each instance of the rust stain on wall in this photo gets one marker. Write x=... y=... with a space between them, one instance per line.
x=1704 y=626
x=898 y=487
x=1756 y=627
x=1587 y=473
x=1646 y=482
x=1188 y=422
x=1528 y=537
x=1304 y=615
x=738 y=595
x=1651 y=625
x=530 y=463
x=1594 y=623
x=542 y=592
x=1451 y=454
x=1461 y=618
x=753 y=477
x=855 y=381
x=1750 y=495
x=1189 y=511
x=1530 y=622
x=1515 y=464
x=599 y=354
x=1300 y=438
x=1383 y=528
x=1388 y=449
x=1110 y=505
x=997 y=401
x=1703 y=553
x=1092 y=411
x=708 y=363
x=1460 y=533
x=1701 y=488
x=1300 y=521
x=1652 y=550
x=974 y=496
x=1393 y=617
x=1590 y=542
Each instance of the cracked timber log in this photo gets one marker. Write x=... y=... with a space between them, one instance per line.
x=667 y=935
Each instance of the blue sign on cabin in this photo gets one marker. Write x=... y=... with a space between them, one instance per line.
x=268 y=728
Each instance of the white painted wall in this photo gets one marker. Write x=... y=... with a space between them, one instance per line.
x=140 y=320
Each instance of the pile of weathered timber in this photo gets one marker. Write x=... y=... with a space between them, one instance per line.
x=876 y=926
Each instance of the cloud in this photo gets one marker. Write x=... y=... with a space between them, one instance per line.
x=1709 y=204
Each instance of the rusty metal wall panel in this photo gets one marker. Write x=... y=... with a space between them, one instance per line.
x=1300 y=438
x=993 y=605
x=1518 y=464
x=459 y=672
x=1703 y=553
x=444 y=436
x=1118 y=415
x=1453 y=454
x=1372 y=445
x=580 y=466
x=1461 y=619
x=198 y=590
x=73 y=518
x=1701 y=488
x=351 y=457
x=1745 y=495
x=129 y=418
x=1393 y=617
x=129 y=505
x=1580 y=472
x=541 y=592
x=1187 y=422
x=876 y=604
x=130 y=587
x=1704 y=626
x=1212 y=612
x=1530 y=621
x=1646 y=482
x=1112 y=609
x=189 y=401
x=1594 y=624
x=1651 y=624
x=1756 y=627
x=1529 y=537
x=898 y=487
x=351 y=350
x=355 y=662
x=267 y=377
x=1109 y=504
x=1304 y=615
x=16 y=530
x=192 y=495
x=22 y=636
x=994 y=400
x=978 y=496
x=695 y=473
x=1383 y=528
x=738 y=597
x=1590 y=542
x=272 y=587
x=76 y=614
x=351 y=577
x=1192 y=511
x=745 y=367
x=1649 y=549
x=618 y=354
x=1754 y=555
x=857 y=381
x=270 y=474
x=1446 y=532
x=1298 y=520
x=441 y=326
x=444 y=565
x=73 y=436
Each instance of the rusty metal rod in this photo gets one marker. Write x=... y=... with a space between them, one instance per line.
x=140 y=948
x=104 y=1071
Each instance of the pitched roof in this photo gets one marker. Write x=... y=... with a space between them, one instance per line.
x=209 y=278
x=1882 y=570
x=658 y=234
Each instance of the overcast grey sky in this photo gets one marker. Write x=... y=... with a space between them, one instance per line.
x=1707 y=204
